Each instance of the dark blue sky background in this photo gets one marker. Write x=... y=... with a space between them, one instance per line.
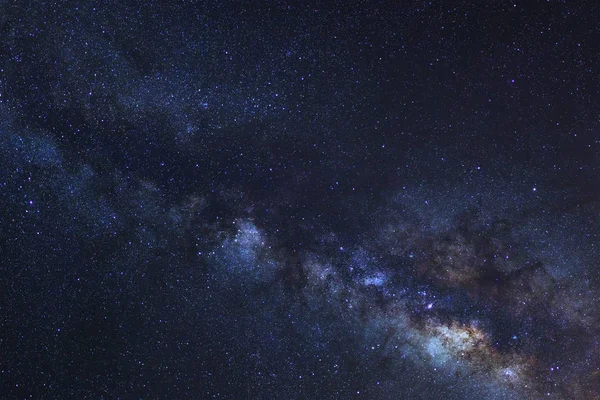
x=299 y=200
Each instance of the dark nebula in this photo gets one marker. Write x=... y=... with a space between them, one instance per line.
x=298 y=200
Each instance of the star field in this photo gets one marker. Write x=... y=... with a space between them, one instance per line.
x=299 y=200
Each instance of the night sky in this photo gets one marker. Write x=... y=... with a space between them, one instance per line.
x=299 y=200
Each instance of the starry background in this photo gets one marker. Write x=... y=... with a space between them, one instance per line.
x=294 y=200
